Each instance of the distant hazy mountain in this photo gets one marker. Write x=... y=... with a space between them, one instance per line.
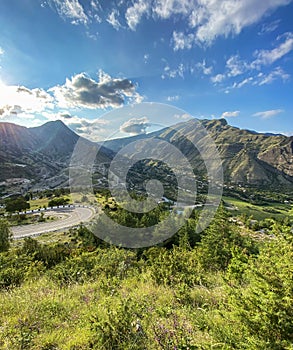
x=43 y=153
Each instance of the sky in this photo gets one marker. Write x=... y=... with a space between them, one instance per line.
x=81 y=61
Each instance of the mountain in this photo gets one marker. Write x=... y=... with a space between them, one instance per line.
x=248 y=157
x=57 y=139
x=40 y=154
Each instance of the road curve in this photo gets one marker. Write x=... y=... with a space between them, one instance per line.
x=72 y=217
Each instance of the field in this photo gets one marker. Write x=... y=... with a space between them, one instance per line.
x=238 y=207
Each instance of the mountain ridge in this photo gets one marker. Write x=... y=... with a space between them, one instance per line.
x=248 y=157
x=40 y=154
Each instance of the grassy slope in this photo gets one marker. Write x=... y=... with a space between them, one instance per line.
x=45 y=316
x=259 y=212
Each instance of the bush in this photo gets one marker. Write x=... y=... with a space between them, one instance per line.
x=5 y=235
x=108 y=263
x=14 y=269
x=262 y=309
x=58 y=201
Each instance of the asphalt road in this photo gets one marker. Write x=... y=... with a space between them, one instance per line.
x=69 y=217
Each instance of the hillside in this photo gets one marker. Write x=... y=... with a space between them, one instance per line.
x=40 y=154
x=248 y=157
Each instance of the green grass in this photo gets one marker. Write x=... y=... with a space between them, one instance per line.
x=259 y=212
x=38 y=203
x=48 y=317
x=43 y=202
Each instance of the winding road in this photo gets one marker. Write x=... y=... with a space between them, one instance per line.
x=68 y=217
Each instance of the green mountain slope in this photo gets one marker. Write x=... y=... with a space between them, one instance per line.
x=247 y=157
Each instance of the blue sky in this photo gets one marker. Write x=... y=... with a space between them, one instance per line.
x=75 y=60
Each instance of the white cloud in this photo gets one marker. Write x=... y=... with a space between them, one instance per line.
x=183 y=116
x=230 y=114
x=182 y=41
x=245 y=82
x=203 y=67
x=210 y=19
x=174 y=73
x=134 y=13
x=1 y=51
x=268 y=114
x=269 y=27
x=135 y=126
x=83 y=91
x=197 y=16
x=90 y=129
x=235 y=66
x=275 y=74
x=112 y=19
x=165 y=9
x=207 y=19
x=19 y=100
x=72 y=10
x=267 y=57
x=146 y=58
x=173 y=98
x=229 y=17
x=218 y=78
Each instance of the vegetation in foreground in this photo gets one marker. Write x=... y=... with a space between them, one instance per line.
x=222 y=290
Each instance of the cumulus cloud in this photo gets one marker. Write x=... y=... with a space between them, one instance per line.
x=90 y=129
x=19 y=100
x=230 y=114
x=1 y=51
x=112 y=19
x=135 y=126
x=268 y=114
x=70 y=9
x=83 y=91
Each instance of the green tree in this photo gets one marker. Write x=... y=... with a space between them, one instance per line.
x=5 y=235
x=215 y=248
x=262 y=310
x=58 y=201
x=17 y=204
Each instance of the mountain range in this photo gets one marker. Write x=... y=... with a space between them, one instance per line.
x=42 y=154
x=247 y=157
